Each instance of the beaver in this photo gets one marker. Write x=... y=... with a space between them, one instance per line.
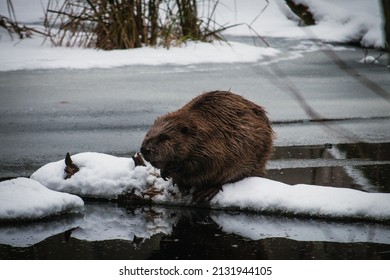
x=219 y=137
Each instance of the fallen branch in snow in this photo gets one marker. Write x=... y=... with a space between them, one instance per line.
x=138 y=160
x=70 y=168
x=13 y=27
x=302 y=11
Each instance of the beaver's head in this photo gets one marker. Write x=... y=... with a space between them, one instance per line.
x=169 y=142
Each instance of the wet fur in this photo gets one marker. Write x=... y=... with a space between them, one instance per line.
x=217 y=138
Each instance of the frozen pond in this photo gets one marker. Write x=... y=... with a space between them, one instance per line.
x=331 y=115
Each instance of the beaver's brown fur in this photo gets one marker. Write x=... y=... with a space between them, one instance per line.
x=217 y=138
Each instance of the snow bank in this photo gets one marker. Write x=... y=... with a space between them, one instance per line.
x=27 y=199
x=264 y=195
x=102 y=175
x=335 y=22
x=30 y=54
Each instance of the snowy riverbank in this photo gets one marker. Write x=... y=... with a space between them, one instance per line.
x=104 y=176
x=335 y=22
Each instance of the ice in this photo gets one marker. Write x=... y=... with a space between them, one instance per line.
x=27 y=199
x=107 y=176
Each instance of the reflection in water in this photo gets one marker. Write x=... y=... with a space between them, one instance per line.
x=111 y=231
x=362 y=166
x=25 y=235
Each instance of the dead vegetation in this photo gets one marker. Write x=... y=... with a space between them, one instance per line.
x=126 y=24
x=122 y=24
x=13 y=27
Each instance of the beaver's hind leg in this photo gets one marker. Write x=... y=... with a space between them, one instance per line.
x=203 y=196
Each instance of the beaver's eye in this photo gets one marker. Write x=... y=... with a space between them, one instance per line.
x=163 y=137
x=184 y=130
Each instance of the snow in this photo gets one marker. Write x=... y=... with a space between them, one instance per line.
x=30 y=54
x=107 y=176
x=264 y=195
x=100 y=176
x=336 y=22
x=368 y=59
x=27 y=199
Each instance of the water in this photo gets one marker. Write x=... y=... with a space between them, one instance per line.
x=196 y=234
x=362 y=166
x=110 y=230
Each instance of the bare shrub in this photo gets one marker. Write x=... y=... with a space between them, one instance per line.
x=124 y=24
x=13 y=27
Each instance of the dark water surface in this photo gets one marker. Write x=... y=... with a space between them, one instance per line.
x=361 y=166
x=109 y=230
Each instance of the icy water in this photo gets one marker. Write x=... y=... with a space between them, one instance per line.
x=110 y=230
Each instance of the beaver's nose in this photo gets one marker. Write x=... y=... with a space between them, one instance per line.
x=145 y=151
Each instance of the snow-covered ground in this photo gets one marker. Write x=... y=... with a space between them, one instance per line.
x=336 y=22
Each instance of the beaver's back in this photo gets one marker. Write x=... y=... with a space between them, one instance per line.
x=232 y=139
